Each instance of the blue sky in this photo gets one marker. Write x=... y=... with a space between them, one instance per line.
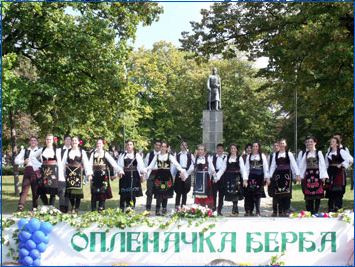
x=175 y=19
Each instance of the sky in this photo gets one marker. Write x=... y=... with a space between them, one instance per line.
x=175 y=19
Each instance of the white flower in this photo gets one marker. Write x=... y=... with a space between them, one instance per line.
x=214 y=213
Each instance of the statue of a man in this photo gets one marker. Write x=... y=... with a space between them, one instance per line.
x=214 y=91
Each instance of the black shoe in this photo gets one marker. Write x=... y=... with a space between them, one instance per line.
x=219 y=213
x=148 y=208
x=258 y=214
x=214 y=209
x=164 y=211
x=247 y=214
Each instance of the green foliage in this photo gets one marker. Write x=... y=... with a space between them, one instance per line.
x=77 y=59
x=309 y=46
x=173 y=94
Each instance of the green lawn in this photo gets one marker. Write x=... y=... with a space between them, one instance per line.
x=9 y=200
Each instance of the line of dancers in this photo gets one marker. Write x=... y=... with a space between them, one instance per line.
x=232 y=176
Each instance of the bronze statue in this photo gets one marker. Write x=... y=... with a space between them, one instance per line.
x=214 y=91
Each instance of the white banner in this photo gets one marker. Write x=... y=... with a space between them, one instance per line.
x=305 y=241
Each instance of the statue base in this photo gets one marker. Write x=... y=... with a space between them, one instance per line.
x=212 y=129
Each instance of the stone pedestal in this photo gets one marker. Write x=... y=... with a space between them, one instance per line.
x=212 y=123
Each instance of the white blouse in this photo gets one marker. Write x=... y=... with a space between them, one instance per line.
x=202 y=160
x=321 y=164
x=293 y=163
x=32 y=159
x=257 y=157
x=183 y=163
x=49 y=153
x=76 y=153
x=108 y=157
x=231 y=160
x=140 y=163
x=345 y=155
x=165 y=157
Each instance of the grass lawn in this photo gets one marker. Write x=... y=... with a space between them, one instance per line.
x=9 y=200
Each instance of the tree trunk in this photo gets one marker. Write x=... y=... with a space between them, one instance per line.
x=14 y=151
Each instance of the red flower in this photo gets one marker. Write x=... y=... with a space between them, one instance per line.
x=169 y=183
x=55 y=139
x=193 y=210
x=157 y=182
x=209 y=213
x=81 y=142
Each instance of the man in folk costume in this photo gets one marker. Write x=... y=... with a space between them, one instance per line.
x=32 y=171
x=282 y=167
x=150 y=181
x=313 y=172
x=163 y=182
x=336 y=161
x=218 y=162
x=204 y=170
x=63 y=200
x=182 y=187
x=130 y=183
x=100 y=161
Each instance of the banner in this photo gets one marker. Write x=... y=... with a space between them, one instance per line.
x=306 y=241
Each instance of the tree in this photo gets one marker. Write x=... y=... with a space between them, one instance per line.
x=78 y=59
x=66 y=69
x=309 y=46
x=173 y=94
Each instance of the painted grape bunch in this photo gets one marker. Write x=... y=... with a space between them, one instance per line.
x=33 y=240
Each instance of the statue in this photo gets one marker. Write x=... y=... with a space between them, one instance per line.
x=214 y=91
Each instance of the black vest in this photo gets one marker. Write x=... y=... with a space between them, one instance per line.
x=189 y=160
x=151 y=157
x=70 y=160
x=214 y=161
x=27 y=153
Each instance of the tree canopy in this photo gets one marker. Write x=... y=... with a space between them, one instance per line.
x=309 y=46
x=71 y=68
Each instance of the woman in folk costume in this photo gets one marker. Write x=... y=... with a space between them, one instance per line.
x=257 y=170
x=232 y=179
x=282 y=167
x=313 y=172
x=76 y=161
x=183 y=187
x=336 y=161
x=100 y=161
x=204 y=170
x=130 y=184
x=163 y=181
x=51 y=170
